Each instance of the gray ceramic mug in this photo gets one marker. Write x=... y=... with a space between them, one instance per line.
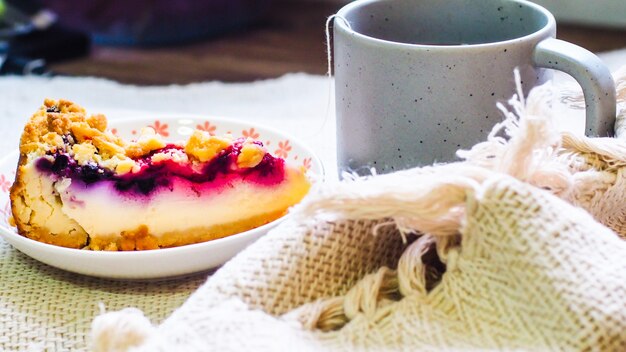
x=417 y=80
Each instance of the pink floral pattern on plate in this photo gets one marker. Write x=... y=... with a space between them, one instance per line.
x=160 y=128
x=283 y=149
x=250 y=133
x=207 y=127
x=5 y=213
x=5 y=184
x=306 y=163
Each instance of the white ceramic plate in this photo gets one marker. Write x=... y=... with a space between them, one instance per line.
x=167 y=262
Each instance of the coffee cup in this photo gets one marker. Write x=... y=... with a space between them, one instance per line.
x=417 y=80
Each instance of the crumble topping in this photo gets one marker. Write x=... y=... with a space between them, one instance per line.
x=204 y=147
x=251 y=154
x=125 y=166
x=148 y=141
x=85 y=153
x=62 y=127
x=176 y=155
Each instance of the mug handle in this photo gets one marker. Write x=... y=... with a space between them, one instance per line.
x=592 y=75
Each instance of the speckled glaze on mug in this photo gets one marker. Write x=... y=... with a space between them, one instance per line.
x=417 y=80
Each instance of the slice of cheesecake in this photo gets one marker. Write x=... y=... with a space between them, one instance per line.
x=78 y=185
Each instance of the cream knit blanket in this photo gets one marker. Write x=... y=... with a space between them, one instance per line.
x=484 y=254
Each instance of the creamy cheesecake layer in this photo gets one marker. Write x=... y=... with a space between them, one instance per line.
x=37 y=211
x=104 y=212
x=98 y=216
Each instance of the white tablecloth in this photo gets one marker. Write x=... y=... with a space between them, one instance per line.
x=46 y=308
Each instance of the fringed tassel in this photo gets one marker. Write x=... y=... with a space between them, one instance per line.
x=372 y=295
x=120 y=331
x=418 y=200
x=431 y=200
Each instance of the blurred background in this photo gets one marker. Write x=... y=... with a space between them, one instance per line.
x=181 y=41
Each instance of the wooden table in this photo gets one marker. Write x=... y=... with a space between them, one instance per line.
x=290 y=39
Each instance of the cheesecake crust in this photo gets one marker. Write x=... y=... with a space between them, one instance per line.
x=142 y=239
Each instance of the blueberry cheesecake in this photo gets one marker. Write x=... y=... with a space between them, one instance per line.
x=80 y=186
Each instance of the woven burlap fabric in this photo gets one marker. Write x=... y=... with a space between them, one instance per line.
x=54 y=312
x=524 y=268
x=528 y=272
x=587 y=172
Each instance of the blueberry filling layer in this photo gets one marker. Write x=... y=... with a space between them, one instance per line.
x=152 y=176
